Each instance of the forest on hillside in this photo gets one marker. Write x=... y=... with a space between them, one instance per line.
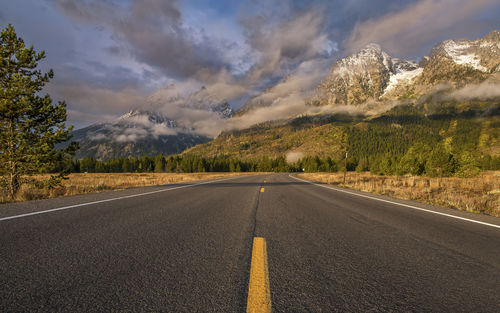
x=399 y=142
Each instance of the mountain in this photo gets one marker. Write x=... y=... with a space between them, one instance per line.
x=475 y=130
x=204 y=100
x=373 y=75
x=135 y=133
x=357 y=78
x=201 y=99
x=460 y=62
x=163 y=125
x=458 y=68
x=451 y=98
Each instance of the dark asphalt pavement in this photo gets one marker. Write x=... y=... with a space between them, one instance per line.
x=189 y=250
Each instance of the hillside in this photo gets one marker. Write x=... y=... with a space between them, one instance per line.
x=474 y=129
x=321 y=135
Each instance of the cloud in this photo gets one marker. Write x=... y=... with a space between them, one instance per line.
x=154 y=32
x=407 y=30
x=88 y=105
x=131 y=135
x=294 y=156
x=281 y=46
x=189 y=105
x=278 y=47
x=142 y=128
x=484 y=91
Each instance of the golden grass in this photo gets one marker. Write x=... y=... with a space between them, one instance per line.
x=480 y=194
x=98 y=182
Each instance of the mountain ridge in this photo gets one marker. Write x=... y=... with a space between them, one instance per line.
x=146 y=130
x=368 y=76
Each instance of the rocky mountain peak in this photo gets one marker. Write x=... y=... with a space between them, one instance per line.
x=201 y=99
x=204 y=100
x=493 y=36
x=141 y=116
x=482 y=54
x=371 y=74
x=368 y=57
x=357 y=77
x=400 y=65
x=459 y=62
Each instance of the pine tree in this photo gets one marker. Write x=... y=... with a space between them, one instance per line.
x=30 y=124
x=160 y=164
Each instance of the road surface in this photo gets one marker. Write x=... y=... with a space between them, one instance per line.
x=188 y=248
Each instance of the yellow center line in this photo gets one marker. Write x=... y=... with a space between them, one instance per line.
x=259 y=292
x=262 y=189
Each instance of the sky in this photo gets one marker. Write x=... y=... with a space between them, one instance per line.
x=110 y=56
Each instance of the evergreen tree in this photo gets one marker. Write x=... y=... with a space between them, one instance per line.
x=414 y=160
x=468 y=165
x=30 y=124
x=160 y=164
x=440 y=162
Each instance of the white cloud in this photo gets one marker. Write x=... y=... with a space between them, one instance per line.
x=418 y=24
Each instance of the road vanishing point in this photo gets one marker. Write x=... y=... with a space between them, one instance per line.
x=261 y=243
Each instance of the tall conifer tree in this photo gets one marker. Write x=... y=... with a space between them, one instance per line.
x=30 y=124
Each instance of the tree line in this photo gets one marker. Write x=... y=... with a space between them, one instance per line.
x=175 y=164
x=420 y=159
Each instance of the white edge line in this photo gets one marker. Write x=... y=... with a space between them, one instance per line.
x=401 y=204
x=112 y=199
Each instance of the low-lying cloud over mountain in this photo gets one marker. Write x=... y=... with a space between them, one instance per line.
x=110 y=56
x=367 y=82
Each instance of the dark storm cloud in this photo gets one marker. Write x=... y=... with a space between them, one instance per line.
x=97 y=74
x=113 y=50
x=155 y=33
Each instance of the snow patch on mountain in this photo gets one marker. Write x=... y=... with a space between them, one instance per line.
x=458 y=52
x=402 y=77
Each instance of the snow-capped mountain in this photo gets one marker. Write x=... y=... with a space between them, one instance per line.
x=135 y=133
x=371 y=74
x=204 y=100
x=165 y=124
x=460 y=62
x=358 y=77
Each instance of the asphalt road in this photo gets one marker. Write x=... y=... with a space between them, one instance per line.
x=189 y=250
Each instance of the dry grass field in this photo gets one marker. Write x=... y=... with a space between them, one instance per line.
x=479 y=194
x=98 y=182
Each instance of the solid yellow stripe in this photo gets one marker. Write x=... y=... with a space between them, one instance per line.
x=262 y=189
x=259 y=293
